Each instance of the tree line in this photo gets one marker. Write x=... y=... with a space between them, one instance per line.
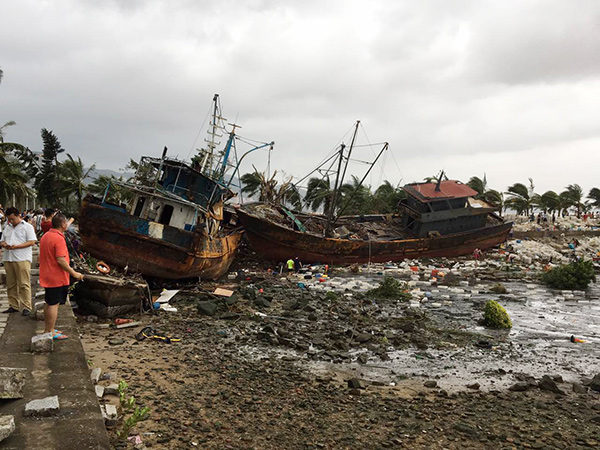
x=357 y=199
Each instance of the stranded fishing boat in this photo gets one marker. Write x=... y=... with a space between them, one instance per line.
x=174 y=224
x=440 y=219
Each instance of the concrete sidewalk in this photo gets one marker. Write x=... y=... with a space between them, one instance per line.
x=79 y=424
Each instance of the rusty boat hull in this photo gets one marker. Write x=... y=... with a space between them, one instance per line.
x=279 y=243
x=120 y=239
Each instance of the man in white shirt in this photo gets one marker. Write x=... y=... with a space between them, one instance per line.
x=17 y=239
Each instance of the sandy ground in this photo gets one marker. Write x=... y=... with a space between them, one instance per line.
x=311 y=371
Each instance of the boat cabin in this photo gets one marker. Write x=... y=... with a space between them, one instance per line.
x=443 y=207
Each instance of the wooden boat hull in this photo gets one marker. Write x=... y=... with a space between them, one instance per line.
x=123 y=240
x=278 y=243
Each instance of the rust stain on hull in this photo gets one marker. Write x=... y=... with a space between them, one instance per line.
x=110 y=235
x=278 y=243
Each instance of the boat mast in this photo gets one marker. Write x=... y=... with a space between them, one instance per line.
x=340 y=180
x=211 y=142
x=335 y=188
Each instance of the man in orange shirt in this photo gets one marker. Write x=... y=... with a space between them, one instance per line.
x=55 y=271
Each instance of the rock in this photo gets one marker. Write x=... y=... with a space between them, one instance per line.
x=117 y=341
x=430 y=384
x=474 y=386
x=43 y=407
x=355 y=383
x=110 y=415
x=95 y=375
x=548 y=384
x=362 y=358
x=519 y=386
x=12 y=381
x=595 y=383
x=557 y=378
x=7 y=426
x=579 y=388
x=112 y=389
x=99 y=391
x=207 y=308
x=363 y=337
x=262 y=302
x=42 y=343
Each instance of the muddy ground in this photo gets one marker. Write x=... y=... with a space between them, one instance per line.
x=291 y=367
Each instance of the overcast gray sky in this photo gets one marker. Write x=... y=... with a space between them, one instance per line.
x=506 y=88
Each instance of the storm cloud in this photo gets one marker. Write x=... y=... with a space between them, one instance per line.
x=504 y=88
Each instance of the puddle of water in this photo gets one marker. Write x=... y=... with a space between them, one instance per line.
x=538 y=344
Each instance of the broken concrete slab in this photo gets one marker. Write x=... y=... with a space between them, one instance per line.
x=7 y=426
x=95 y=375
x=110 y=414
x=99 y=391
x=12 y=381
x=112 y=389
x=42 y=407
x=42 y=343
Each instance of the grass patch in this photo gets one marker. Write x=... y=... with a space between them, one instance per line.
x=392 y=289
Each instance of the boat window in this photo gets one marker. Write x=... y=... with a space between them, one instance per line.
x=165 y=215
x=139 y=206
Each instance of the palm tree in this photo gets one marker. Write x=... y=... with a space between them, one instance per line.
x=521 y=197
x=549 y=201
x=72 y=174
x=257 y=184
x=387 y=197
x=12 y=181
x=594 y=196
x=490 y=196
x=574 y=194
x=355 y=198
x=319 y=193
x=116 y=194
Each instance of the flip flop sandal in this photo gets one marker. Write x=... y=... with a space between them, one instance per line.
x=145 y=333
x=59 y=337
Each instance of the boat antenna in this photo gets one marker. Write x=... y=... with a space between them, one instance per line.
x=438 y=186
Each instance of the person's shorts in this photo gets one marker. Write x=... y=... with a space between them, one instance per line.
x=56 y=295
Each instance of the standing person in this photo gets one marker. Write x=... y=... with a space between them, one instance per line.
x=297 y=264
x=17 y=239
x=290 y=265
x=47 y=222
x=55 y=271
x=37 y=221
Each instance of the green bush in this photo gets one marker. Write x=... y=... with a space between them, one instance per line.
x=495 y=316
x=577 y=275
x=391 y=288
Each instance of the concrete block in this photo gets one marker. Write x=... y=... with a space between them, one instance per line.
x=7 y=426
x=95 y=375
x=42 y=343
x=99 y=391
x=113 y=389
x=110 y=415
x=12 y=381
x=43 y=407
